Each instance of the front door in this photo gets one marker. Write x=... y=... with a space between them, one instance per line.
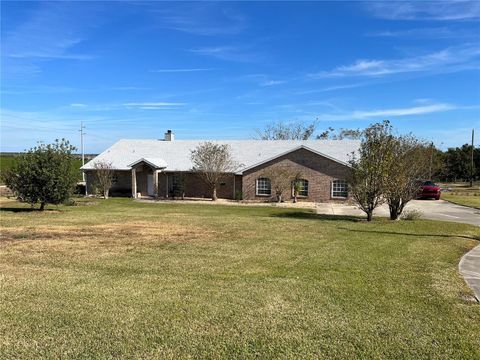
x=150 y=191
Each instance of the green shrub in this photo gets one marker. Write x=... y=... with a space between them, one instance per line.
x=411 y=215
x=238 y=195
x=45 y=174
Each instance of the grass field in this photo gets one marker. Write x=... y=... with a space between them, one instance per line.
x=122 y=279
x=463 y=194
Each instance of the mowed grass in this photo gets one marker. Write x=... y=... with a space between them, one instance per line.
x=463 y=194
x=465 y=200
x=123 y=279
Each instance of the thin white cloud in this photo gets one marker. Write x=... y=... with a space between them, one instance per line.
x=425 y=10
x=263 y=80
x=78 y=105
x=426 y=33
x=229 y=53
x=128 y=88
x=330 y=88
x=205 y=19
x=272 y=82
x=51 y=32
x=387 y=113
x=447 y=60
x=180 y=70
x=38 y=89
x=49 y=55
x=154 y=105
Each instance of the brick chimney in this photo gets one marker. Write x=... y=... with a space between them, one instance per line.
x=169 y=136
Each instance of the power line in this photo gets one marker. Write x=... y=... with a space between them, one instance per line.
x=82 y=133
x=472 y=169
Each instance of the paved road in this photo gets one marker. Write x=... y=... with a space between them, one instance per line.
x=430 y=209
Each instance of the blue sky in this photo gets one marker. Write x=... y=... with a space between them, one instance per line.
x=220 y=70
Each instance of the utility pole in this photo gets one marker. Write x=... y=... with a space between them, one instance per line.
x=82 y=133
x=431 y=161
x=472 y=173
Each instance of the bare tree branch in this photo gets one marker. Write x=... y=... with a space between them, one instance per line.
x=104 y=175
x=214 y=162
x=286 y=131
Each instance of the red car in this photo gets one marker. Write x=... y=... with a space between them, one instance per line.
x=429 y=190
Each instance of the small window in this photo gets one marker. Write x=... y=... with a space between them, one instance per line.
x=264 y=187
x=303 y=187
x=339 y=189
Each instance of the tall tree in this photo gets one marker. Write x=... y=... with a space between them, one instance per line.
x=410 y=163
x=369 y=167
x=45 y=174
x=287 y=131
x=215 y=162
x=457 y=163
x=342 y=134
x=104 y=176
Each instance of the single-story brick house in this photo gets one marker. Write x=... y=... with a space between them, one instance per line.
x=154 y=167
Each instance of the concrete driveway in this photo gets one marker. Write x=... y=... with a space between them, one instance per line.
x=430 y=209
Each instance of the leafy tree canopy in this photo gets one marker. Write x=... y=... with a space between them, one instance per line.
x=44 y=174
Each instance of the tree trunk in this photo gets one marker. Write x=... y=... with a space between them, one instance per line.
x=400 y=208
x=393 y=212
x=295 y=198
x=279 y=198
x=105 y=194
x=369 y=215
x=42 y=206
x=214 y=193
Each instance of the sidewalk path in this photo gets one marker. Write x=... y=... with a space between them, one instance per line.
x=469 y=267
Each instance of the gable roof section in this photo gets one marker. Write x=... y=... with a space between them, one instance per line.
x=290 y=151
x=250 y=153
x=156 y=163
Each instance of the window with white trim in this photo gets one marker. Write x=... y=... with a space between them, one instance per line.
x=339 y=188
x=264 y=187
x=303 y=187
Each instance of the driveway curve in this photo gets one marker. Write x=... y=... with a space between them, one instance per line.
x=430 y=209
x=469 y=267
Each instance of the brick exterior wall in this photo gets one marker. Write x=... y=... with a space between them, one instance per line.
x=195 y=186
x=318 y=170
x=121 y=187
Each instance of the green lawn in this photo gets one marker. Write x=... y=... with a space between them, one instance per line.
x=462 y=194
x=122 y=279
x=466 y=200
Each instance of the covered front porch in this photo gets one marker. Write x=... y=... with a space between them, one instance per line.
x=145 y=173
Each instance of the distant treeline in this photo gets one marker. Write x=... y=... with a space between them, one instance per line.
x=7 y=160
x=455 y=164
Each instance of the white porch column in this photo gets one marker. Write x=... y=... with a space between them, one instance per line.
x=85 y=175
x=155 y=183
x=134 y=183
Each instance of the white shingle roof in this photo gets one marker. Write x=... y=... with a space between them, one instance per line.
x=155 y=162
x=176 y=154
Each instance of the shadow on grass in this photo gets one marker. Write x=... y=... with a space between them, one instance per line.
x=22 y=210
x=313 y=216
x=472 y=237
